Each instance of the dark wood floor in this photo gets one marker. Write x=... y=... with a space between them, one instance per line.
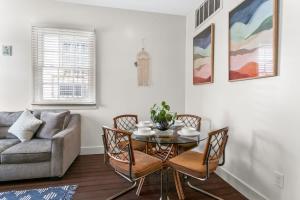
x=97 y=181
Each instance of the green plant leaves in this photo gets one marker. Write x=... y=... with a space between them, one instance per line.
x=169 y=117
x=165 y=106
x=161 y=113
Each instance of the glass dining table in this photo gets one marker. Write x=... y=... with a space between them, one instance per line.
x=165 y=145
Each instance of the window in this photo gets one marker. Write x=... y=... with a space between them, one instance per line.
x=63 y=66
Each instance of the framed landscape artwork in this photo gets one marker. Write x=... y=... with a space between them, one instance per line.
x=203 y=57
x=253 y=40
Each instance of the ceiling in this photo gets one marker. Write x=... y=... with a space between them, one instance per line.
x=175 y=7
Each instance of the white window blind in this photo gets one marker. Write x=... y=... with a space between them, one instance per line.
x=64 y=66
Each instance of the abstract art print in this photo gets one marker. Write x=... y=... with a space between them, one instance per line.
x=253 y=40
x=203 y=58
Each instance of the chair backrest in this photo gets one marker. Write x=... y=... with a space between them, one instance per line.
x=190 y=120
x=118 y=145
x=215 y=146
x=125 y=122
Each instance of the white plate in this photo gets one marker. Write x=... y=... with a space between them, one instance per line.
x=143 y=134
x=191 y=134
x=178 y=124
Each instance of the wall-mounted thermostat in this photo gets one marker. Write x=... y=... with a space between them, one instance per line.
x=6 y=50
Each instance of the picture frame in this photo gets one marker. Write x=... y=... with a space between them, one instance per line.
x=253 y=40
x=203 y=56
x=7 y=50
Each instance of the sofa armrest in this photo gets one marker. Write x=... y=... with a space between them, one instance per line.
x=66 y=147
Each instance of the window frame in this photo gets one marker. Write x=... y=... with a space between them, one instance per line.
x=91 y=89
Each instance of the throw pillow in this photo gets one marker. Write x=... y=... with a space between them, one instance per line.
x=25 y=126
x=52 y=124
x=37 y=114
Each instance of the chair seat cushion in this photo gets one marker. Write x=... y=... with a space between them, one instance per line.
x=33 y=151
x=144 y=165
x=6 y=143
x=191 y=163
x=136 y=145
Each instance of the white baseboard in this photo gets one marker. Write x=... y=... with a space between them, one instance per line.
x=239 y=185
x=91 y=150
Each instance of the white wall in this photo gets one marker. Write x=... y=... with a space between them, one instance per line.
x=119 y=35
x=263 y=115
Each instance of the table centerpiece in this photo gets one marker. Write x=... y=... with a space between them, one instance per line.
x=162 y=117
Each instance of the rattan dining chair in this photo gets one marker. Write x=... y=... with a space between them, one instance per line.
x=128 y=163
x=201 y=165
x=128 y=123
x=192 y=121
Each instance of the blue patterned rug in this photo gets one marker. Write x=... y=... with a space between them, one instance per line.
x=51 y=193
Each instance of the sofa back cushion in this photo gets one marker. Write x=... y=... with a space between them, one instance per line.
x=38 y=113
x=52 y=124
x=6 y=120
x=4 y=134
x=26 y=126
x=9 y=118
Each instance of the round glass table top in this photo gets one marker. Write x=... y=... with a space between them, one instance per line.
x=165 y=137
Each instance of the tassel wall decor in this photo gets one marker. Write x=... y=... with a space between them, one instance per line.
x=143 y=65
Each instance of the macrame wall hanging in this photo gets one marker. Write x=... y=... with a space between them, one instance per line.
x=143 y=65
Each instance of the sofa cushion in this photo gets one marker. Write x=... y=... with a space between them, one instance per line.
x=37 y=114
x=25 y=126
x=33 y=151
x=4 y=134
x=8 y=118
x=52 y=124
x=6 y=143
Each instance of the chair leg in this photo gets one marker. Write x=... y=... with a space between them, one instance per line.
x=105 y=158
x=178 y=185
x=203 y=191
x=138 y=191
x=122 y=192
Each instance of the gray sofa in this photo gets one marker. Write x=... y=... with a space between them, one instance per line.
x=37 y=158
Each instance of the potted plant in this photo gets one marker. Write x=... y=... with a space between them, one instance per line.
x=162 y=116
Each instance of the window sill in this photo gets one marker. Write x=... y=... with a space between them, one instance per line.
x=65 y=106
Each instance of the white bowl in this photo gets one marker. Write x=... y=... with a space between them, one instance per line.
x=178 y=123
